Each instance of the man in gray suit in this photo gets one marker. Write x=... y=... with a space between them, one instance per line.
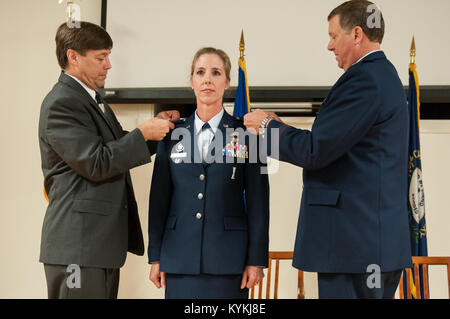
x=91 y=220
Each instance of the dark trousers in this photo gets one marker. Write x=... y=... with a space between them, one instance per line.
x=72 y=282
x=356 y=286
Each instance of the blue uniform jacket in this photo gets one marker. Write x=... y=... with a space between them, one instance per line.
x=353 y=210
x=198 y=222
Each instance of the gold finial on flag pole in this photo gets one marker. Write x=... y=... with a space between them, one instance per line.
x=242 y=45
x=413 y=51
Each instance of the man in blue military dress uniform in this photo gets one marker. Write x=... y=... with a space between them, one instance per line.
x=353 y=225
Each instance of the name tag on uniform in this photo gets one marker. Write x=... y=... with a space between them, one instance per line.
x=178 y=155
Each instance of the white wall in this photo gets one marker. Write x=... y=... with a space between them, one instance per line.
x=28 y=71
x=286 y=40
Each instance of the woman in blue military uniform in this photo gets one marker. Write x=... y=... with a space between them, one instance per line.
x=206 y=240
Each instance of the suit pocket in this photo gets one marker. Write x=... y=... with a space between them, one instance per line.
x=235 y=223
x=171 y=222
x=322 y=197
x=95 y=207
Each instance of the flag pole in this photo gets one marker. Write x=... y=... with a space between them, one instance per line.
x=242 y=45
x=244 y=67
x=412 y=67
x=412 y=51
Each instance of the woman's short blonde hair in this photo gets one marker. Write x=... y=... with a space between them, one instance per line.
x=209 y=50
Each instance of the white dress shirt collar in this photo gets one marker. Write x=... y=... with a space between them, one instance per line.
x=366 y=55
x=213 y=122
x=90 y=91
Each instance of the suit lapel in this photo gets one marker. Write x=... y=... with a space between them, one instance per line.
x=369 y=58
x=64 y=78
x=110 y=119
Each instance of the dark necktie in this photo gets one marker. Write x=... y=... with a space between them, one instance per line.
x=205 y=126
x=206 y=145
x=107 y=114
x=100 y=101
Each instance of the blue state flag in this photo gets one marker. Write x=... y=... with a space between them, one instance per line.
x=242 y=100
x=416 y=198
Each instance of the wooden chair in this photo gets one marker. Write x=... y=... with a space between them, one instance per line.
x=425 y=262
x=277 y=256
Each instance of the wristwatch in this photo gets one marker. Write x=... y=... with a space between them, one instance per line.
x=262 y=126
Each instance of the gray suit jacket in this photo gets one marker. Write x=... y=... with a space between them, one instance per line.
x=92 y=217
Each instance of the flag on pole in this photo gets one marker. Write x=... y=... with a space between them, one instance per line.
x=242 y=100
x=416 y=198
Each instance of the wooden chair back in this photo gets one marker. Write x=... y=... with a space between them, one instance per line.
x=276 y=256
x=423 y=261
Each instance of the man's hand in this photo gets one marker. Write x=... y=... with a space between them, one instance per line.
x=156 y=129
x=275 y=117
x=171 y=115
x=252 y=275
x=253 y=120
x=157 y=277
